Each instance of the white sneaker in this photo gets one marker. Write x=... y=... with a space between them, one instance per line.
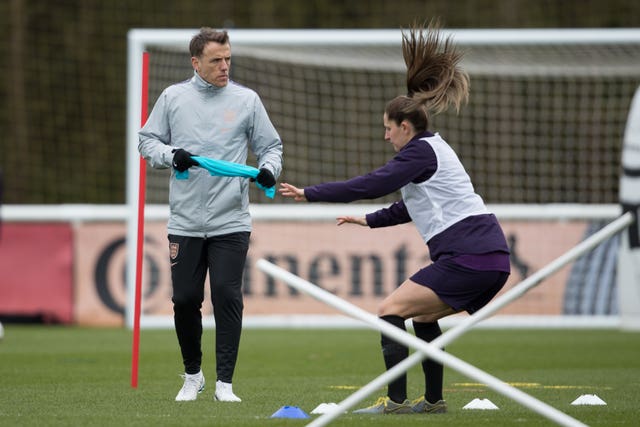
x=193 y=384
x=224 y=393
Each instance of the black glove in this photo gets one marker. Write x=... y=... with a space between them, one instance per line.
x=182 y=160
x=265 y=178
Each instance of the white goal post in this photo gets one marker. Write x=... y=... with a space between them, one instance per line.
x=525 y=199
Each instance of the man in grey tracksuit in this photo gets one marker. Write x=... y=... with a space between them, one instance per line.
x=209 y=224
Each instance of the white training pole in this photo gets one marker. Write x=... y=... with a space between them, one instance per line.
x=501 y=301
x=416 y=343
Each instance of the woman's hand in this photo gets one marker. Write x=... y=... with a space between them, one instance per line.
x=288 y=190
x=351 y=220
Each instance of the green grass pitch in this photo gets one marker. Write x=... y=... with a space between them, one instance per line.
x=68 y=376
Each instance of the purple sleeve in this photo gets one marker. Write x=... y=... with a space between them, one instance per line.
x=393 y=215
x=415 y=161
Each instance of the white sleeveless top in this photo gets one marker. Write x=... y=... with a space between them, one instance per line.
x=446 y=197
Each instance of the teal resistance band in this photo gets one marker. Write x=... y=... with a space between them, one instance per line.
x=224 y=168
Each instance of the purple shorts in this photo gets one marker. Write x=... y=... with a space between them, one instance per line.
x=461 y=287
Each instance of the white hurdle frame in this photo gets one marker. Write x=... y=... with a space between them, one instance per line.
x=433 y=349
x=499 y=302
x=409 y=340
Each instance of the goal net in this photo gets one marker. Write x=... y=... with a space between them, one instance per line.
x=541 y=138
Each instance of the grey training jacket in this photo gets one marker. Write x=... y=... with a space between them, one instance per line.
x=220 y=123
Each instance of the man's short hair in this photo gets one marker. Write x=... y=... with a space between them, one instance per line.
x=206 y=35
